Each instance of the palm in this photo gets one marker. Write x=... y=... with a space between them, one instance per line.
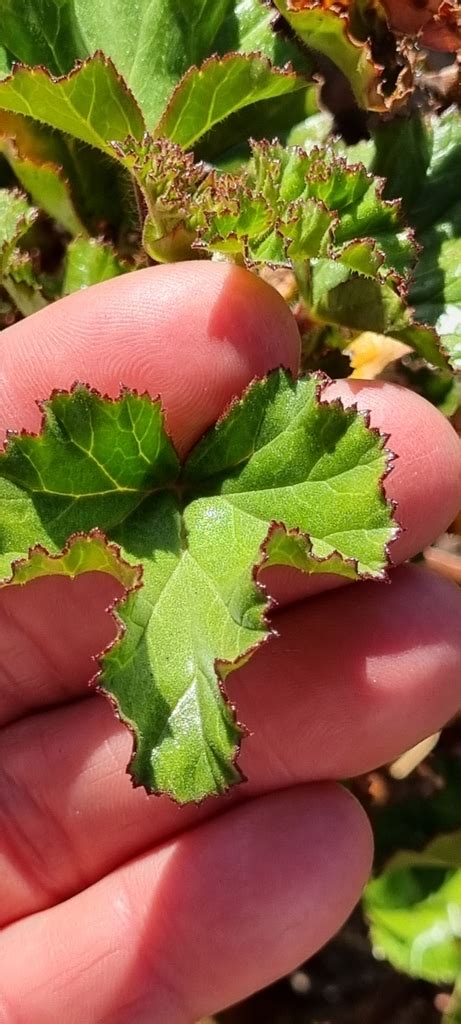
x=120 y=908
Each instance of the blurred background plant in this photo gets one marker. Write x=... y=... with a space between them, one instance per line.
x=117 y=153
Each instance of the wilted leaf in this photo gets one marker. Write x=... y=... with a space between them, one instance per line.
x=370 y=353
x=414 y=909
x=436 y=22
x=108 y=465
x=220 y=87
x=327 y=28
x=92 y=103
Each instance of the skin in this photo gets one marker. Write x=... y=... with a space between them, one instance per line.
x=117 y=908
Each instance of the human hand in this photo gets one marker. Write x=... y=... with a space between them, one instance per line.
x=118 y=908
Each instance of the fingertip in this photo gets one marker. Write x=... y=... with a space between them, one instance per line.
x=196 y=333
x=425 y=480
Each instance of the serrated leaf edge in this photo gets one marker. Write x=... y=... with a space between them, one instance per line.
x=222 y=668
x=287 y=71
x=99 y=56
x=376 y=98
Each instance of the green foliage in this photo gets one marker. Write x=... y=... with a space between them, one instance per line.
x=414 y=910
x=276 y=481
x=220 y=87
x=429 y=184
x=89 y=261
x=328 y=31
x=92 y=103
x=101 y=147
x=56 y=33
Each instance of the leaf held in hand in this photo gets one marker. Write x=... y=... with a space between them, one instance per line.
x=282 y=479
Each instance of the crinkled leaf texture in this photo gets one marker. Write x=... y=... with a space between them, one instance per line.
x=414 y=910
x=283 y=478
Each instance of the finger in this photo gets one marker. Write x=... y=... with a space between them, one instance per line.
x=352 y=680
x=197 y=334
x=194 y=333
x=198 y=924
x=425 y=481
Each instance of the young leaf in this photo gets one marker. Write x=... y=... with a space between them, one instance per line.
x=290 y=181
x=281 y=479
x=92 y=103
x=90 y=261
x=414 y=910
x=16 y=217
x=219 y=88
x=171 y=183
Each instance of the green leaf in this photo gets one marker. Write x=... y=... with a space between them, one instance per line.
x=295 y=119
x=436 y=292
x=90 y=261
x=336 y=295
x=433 y=207
x=283 y=478
x=16 y=217
x=77 y=185
x=16 y=276
x=90 y=553
x=220 y=87
x=414 y=910
x=92 y=103
x=56 y=33
x=48 y=187
x=356 y=210
x=42 y=32
x=326 y=29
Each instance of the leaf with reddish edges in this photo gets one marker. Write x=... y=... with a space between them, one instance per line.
x=282 y=479
x=16 y=274
x=47 y=185
x=92 y=103
x=151 y=42
x=326 y=28
x=220 y=87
